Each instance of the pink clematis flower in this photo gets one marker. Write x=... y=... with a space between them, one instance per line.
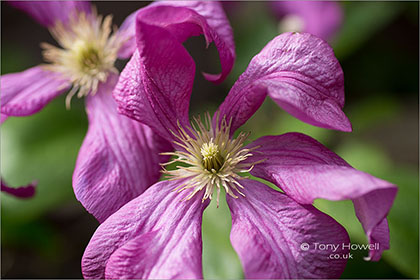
x=320 y=18
x=119 y=157
x=158 y=234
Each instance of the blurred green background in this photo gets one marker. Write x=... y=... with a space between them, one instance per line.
x=378 y=48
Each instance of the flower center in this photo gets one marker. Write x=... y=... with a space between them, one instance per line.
x=87 y=52
x=87 y=56
x=210 y=159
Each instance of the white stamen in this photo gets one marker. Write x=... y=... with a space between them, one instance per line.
x=87 y=54
x=212 y=159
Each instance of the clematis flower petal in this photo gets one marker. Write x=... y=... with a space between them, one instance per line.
x=47 y=13
x=154 y=236
x=301 y=74
x=306 y=170
x=155 y=86
x=27 y=191
x=191 y=18
x=119 y=158
x=320 y=18
x=277 y=238
x=211 y=18
x=27 y=92
x=127 y=33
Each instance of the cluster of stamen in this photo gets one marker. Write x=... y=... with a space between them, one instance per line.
x=87 y=54
x=210 y=159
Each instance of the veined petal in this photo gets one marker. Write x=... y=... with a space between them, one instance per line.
x=119 y=158
x=47 y=13
x=155 y=86
x=27 y=191
x=306 y=170
x=215 y=26
x=301 y=74
x=213 y=22
x=27 y=92
x=320 y=18
x=154 y=236
x=277 y=238
x=191 y=18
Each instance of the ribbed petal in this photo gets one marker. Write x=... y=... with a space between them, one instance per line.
x=119 y=158
x=27 y=92
x=212 y=21
x=270 y=232
x=47 y=13
x=27 y=191
x=320 y=18
x=155 y=86
x=306 y=170
x=154 y=236
x=301 y=74
x=192 y=18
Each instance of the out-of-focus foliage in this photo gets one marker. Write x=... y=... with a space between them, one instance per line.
x=45 y=236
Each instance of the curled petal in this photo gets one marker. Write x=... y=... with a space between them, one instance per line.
x=212 y=20
x=277 y=238
x=306 y=170
x=301 y=74
x=27 y=191
x=27 y=92
x=119 y=158
x=154 y=236
x=191 y=18
x=47 y=13
x=155 y=86
x=320 y=18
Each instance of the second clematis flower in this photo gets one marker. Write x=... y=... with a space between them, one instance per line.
x=320 y=18
x=158 y=234
x=119 y=157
